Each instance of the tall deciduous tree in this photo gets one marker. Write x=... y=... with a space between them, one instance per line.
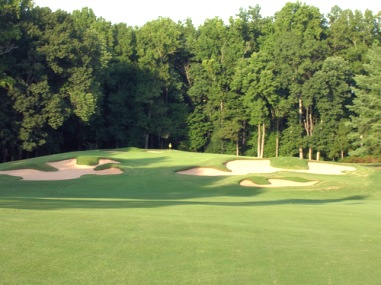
x=366 y=123
x=120 y=87
x=298 y=48
x=11 y=17
x=351 y=33
x=39 y=111
x=255 y=79
x=328 y=93
x=159 y=44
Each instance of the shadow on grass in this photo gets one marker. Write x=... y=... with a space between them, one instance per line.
x=71 y=203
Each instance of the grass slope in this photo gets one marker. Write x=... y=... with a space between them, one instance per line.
x=152 y=226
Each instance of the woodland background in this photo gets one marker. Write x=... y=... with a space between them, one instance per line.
x=299 y=83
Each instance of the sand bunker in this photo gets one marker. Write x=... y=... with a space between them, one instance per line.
x=277 y=183
x=243 y=167
x=326 y=168
x=67 y=169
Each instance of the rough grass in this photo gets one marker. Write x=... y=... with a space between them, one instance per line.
x=152 y=226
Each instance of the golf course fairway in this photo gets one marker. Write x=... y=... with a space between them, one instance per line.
x=148 y=224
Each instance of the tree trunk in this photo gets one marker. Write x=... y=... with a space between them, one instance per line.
x=5 y=152
x=301 y=153
x=187 y=74
x=146 y=140
x=222 y=147
x=300 y=110
x=244 y=135
x=310 y=153
x=318 y=156
x=300 y=122
x=160 y=141
x=277 y=138
x=277 y=146
x=263 y=140
x=259 y=141
x=342 y=154
x=237 y=148
x=146 y=135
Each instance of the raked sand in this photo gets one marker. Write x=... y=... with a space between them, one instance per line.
x=67 y=169
x=243 y=167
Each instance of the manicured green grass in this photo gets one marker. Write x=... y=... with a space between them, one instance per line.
x=150 y=225
x=87 y=160
x=289 y=163
x=29 y=165
x=260 y=180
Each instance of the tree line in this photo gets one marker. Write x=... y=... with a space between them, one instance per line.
x=298 y=83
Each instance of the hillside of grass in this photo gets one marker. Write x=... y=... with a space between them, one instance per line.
x=150 y=225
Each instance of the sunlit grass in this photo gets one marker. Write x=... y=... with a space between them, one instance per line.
x=150 y=225
x=87 y=160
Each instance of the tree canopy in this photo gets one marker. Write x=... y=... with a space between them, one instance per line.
x=298 y=83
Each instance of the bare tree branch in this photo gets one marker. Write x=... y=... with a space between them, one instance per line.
x=7 y=48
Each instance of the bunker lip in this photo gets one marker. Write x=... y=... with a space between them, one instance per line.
x=67 y=169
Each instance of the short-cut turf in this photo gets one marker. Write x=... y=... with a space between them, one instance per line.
x=289 y=163
x=150 y=225
x=87 y=160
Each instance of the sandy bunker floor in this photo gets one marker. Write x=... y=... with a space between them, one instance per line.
x=67 y=169
x=243 y=167
x=277 y=183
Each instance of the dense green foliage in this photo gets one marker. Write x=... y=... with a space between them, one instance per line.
x=291 y=84
x=150 y=225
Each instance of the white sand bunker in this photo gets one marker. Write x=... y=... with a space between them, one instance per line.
x=243 y=167
x=277 y=183
x=67 y=169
